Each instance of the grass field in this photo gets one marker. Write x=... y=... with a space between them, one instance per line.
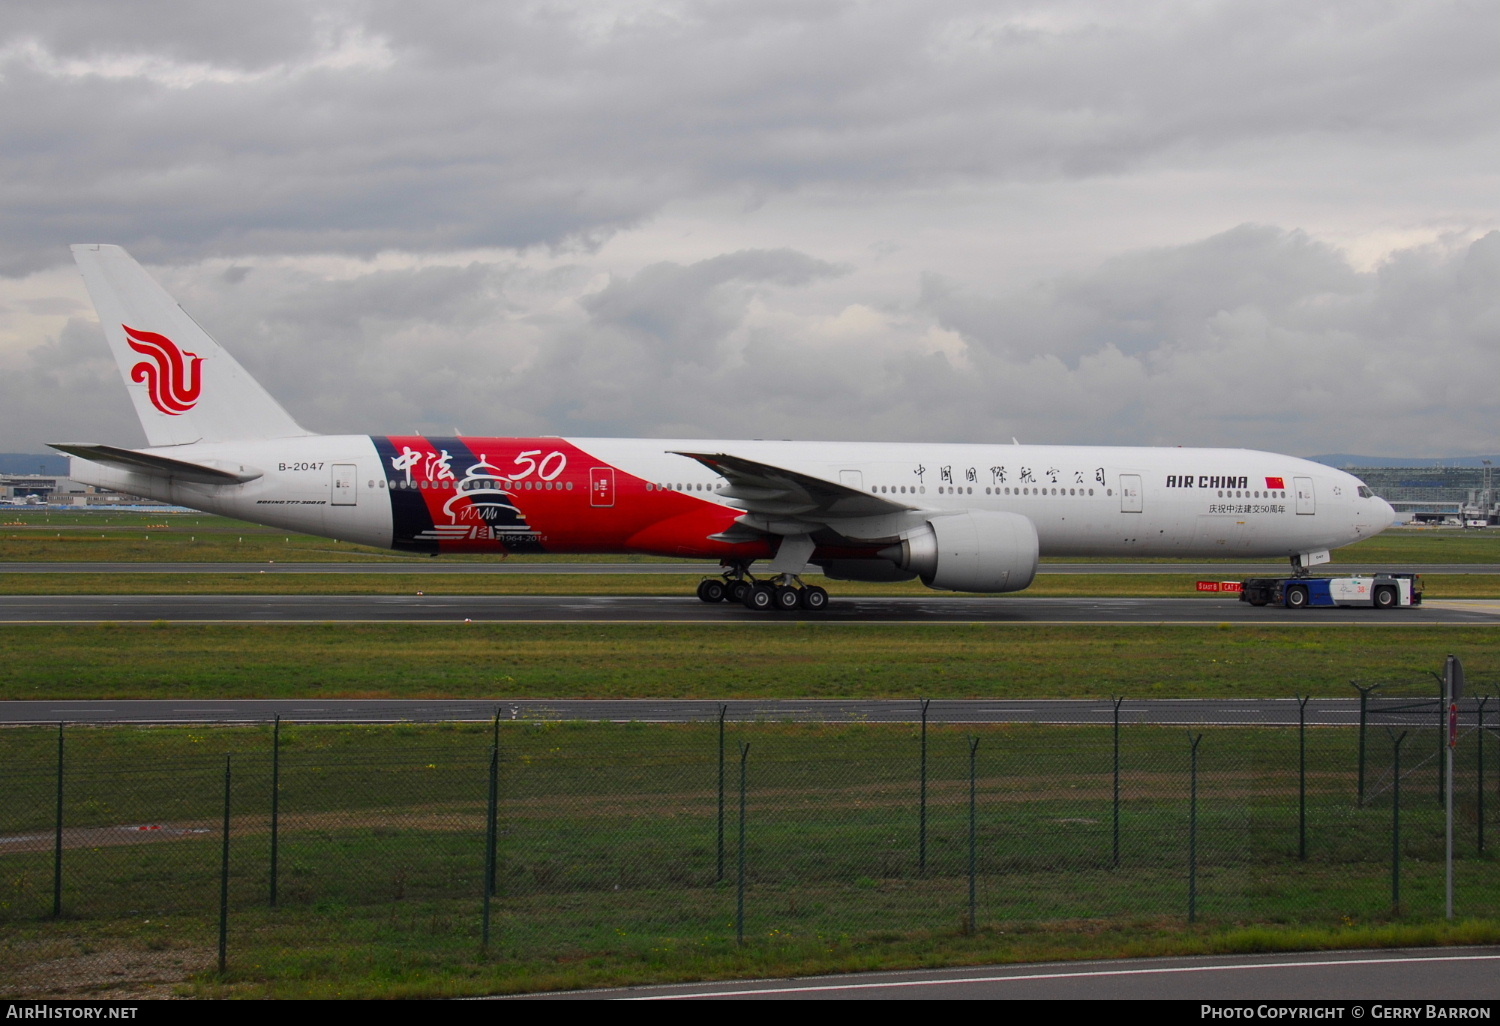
x=607 y=866
x=724 y=661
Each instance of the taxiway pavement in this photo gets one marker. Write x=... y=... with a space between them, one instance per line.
x=668 y=609
x=1384 y=984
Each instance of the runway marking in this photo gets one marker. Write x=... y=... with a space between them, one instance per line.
x=1061 y=976
x=1488 y=606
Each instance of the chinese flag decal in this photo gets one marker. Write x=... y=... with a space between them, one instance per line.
x=1276 y=482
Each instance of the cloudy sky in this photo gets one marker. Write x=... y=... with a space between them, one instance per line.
x=1270 y=224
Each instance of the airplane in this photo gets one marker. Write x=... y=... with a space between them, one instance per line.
x=960 y=517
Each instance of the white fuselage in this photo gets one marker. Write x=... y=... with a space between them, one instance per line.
x=1084 y=500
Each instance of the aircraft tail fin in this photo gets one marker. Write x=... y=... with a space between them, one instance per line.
x=185 y=387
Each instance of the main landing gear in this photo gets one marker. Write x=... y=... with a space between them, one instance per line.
x=784 y=592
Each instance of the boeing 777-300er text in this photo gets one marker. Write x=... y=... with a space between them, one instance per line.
x=972 y=518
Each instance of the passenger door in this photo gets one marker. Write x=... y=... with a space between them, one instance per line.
x=601 y=486
x=344 y=491
x=1306 y=503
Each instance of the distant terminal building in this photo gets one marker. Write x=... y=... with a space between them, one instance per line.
x=1457 y=496
x=53 y=490
x=41 y=479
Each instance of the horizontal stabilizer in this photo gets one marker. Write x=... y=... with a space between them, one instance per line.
x=158 y=466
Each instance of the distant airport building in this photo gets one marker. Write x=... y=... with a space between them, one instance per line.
x=54 y=490
x=1456 y=496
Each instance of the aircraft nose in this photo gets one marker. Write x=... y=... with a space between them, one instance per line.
x=1390 y=511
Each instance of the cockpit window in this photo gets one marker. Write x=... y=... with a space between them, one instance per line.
x=1365 y=493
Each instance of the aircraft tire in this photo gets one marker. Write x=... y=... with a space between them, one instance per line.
x=738 y=590
x=1296 y=597
x=761 y=598
x=814 y=599
x=711 y=590
x=787 y=599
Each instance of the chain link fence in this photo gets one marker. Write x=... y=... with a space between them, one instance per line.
x=413 y=849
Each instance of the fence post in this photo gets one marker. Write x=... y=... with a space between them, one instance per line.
x=922 y=800
x=973 y=781
x=1364 y=696
x=1302 y=777
x=492 y=821
x=1396 y=825
x=494 y=806
x=1116 y=862
x=723 y=709
x=1479 y=790
x=57 y=841
x=739 y=897
x=224 y=875
x=489 y=845
x=1442 y=738
x=1453 y=682
x=1193 y=831
x=275 y=802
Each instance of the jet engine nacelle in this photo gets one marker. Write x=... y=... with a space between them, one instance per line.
x=971 y=551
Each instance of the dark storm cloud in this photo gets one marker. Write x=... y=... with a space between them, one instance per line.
x=190 y=130
x=383 y=349
x=667 y=344
x=1255 y=336
x=66 y=390
x=1139 y=302
x=1254 y=333
x=1257 y=332
x=685 y=311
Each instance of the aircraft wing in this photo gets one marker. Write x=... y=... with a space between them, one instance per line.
x=776 y=492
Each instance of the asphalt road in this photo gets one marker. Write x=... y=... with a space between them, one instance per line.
x=1215 y=571
x=642 y=609
x=1183 y=711
x=1396 y=978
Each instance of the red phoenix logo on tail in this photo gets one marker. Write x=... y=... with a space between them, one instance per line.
x=171 y=375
